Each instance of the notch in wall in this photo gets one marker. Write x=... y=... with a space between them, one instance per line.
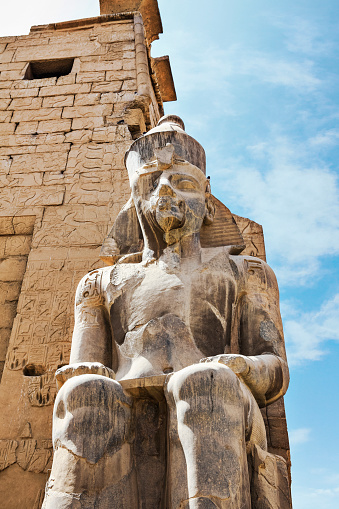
x=48 y=68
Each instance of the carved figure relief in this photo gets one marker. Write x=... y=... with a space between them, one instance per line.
x=31 y=455
x=15 y=244
x=177 y=344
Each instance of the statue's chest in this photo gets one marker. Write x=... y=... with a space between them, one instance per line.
x=152 y=292
x=202 y=300
x=159 y=292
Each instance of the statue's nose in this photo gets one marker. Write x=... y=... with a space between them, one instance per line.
x=165 y=189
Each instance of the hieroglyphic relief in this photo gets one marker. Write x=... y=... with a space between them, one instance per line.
x=73 y=225
x=31 y=455
x=255 y=272
x=42 y=329
x=41 y=389
x=7 y=453
x=252 y=234
x=63 y=163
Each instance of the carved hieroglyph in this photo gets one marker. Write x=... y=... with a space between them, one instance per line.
x=176 y=346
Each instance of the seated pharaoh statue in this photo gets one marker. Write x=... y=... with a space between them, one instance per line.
x=176 y=346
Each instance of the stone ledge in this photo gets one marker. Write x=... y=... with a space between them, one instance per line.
x=83 y=22
x=162 y=69
x=115 y=10
x=140 y=387
x=148 y=9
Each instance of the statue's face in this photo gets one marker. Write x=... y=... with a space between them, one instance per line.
x=170 y=198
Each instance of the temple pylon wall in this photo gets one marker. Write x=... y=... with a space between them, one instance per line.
x=73 y=96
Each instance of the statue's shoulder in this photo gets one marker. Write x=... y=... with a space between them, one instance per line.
x=100 y=286
x=122 y=274
x=254 y=271
x=246 y=261
x=92 y=287
x=243 y=266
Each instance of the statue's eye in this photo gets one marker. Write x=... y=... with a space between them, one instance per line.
x=185 y=184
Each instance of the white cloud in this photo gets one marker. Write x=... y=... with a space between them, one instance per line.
x=325 y=138
x=294 y=197
x=270 y=69
x=322 y=490
x=299 y=436
x=303 y=35
x=326 y=491
x=307 y=334
x=200 y=63
x=200 y=67
x=306 y=498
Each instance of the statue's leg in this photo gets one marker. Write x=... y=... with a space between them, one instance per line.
x=92 y=464
x=208 y=423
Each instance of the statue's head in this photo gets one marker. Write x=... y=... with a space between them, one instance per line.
x=170 y=191
x=170 y=200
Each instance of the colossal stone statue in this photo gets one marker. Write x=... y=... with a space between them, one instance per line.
x=176 y=345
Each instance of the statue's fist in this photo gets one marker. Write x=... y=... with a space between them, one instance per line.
x=239 y=364
x=81 y=368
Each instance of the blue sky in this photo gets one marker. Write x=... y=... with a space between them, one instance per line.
x=257 y=85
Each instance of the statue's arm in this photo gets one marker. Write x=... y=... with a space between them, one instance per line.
x=261 y=338
x=258 y=334
x=91 y=350
x=266 y=375
x=91 y=341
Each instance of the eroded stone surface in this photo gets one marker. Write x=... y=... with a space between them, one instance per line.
x=14 y=250
x=270 y=481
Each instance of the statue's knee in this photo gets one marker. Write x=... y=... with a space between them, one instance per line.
x=94 y=391
x=204 y=381
x=92 y=413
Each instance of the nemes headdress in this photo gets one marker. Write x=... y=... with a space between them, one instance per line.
x=170 y=130
x=124 y=243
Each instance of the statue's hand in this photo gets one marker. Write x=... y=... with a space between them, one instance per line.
x=81 y=368
x=239 y=364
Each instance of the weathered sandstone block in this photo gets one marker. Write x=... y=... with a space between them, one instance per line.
x=25 y=103
x=51 y=126
x=58 y=101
